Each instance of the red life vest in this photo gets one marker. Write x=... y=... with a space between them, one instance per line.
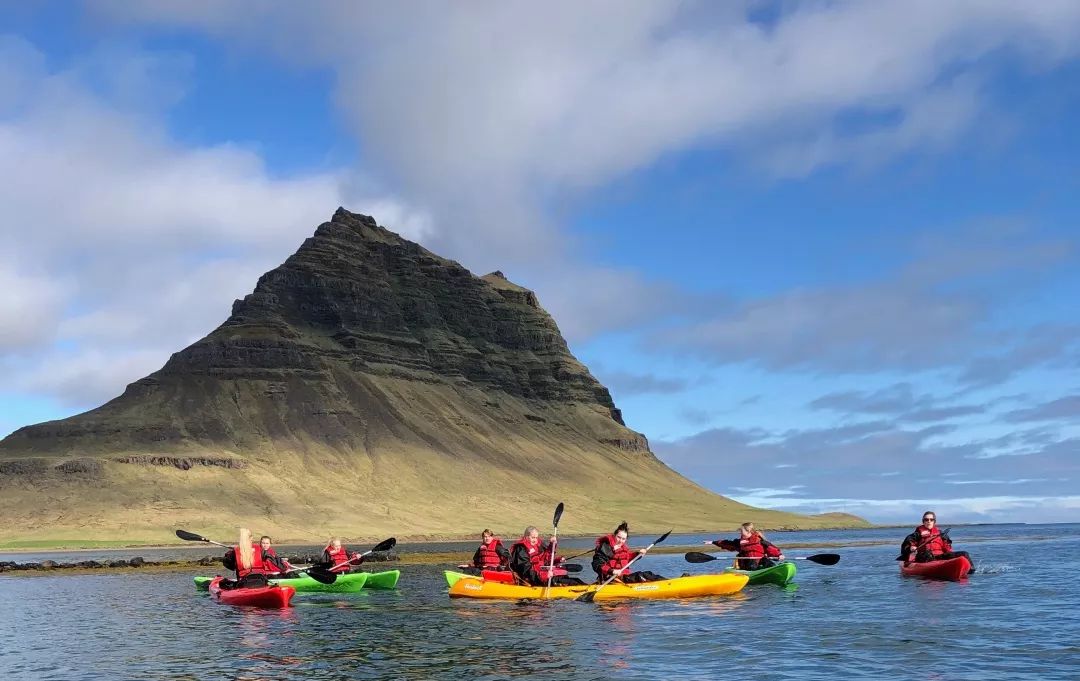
x=337 y=558
x=620 y=556
x=257 y=566
x=930 y=540
x=752 y=547
x=489 y=554
x=538 y=557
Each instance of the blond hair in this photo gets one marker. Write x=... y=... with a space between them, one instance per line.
x=749 y=527
x=247 y=551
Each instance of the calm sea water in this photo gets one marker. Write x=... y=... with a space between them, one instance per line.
x=1019 y=617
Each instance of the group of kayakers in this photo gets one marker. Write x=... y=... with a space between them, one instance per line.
x=257 y=562
x=535 y=562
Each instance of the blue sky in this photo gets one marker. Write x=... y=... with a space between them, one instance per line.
x=823 y=254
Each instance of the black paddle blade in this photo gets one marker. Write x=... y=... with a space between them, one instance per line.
x=826 y=558
x=665 y=536
x=385 y=545
x=586 y=597
x=572 y=567
x=699 y=557
x=558 y=515
x=190 y=536
x=321 y=575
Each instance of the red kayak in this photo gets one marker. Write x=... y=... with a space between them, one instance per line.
x=273 y=596
x=952 y=570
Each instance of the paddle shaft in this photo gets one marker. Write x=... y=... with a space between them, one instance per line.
x=554 y=545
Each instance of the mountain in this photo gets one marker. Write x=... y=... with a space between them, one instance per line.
x=367 y=387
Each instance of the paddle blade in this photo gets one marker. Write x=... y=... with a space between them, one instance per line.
x=558 y=515
x=190 y=536
x=322 y=575
x=572 y=567
x=824 y=558
x=665 y=536
x=385 y=545
x=698 y=557
x=586 y=597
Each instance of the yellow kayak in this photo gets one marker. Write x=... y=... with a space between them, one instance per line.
x=680 y=587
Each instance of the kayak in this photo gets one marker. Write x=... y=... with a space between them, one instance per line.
x=387 y=579
x=779 y=574
x=953 y=569
x=349 y=582
x=272 y=596
x=504 y=576
x=680 y=587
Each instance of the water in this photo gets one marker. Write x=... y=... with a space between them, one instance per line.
x=1016 y=618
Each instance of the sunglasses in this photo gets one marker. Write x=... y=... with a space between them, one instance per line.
x=929 y=517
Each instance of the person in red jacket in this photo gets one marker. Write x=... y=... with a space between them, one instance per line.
x=612 y=555
x=530 y=559
x=927 y=542
x=273 y=565
x=337 y=558
x=491 y=554
x=755 y=552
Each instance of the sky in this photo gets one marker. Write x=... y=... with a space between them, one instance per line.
x=824 y=254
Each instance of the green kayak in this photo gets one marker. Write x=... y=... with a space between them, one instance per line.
x=345 y=583
x=780 y=574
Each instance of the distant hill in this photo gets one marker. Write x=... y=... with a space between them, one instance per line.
x=367 y=387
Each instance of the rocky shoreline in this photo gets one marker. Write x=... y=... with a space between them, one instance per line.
x=140 y=562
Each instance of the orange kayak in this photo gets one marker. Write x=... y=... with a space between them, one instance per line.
x=681 y=587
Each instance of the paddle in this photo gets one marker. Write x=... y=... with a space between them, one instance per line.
x=588 y=596
x=819 y=558
x=554 y=545
x=313 y=572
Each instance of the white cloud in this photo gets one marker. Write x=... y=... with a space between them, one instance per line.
x=146 y=242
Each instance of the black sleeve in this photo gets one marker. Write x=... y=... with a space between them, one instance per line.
x=522 y=566
x=229 y=560
x=476 y=558
x=601 y=556
x=727 y=544
x=276 y=561
x=501 y=550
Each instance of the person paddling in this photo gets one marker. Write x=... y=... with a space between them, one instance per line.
x=335 y=554
x=612 y=556
x=530 y=558
x=491 y=554
x=926 y=543
x=249 y=559
x=754 y=551
x=273 y=565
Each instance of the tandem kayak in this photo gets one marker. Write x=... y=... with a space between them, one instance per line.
x=680 y=587
x=779 y=574
x=349 y=582
x=953 y=569
x=272 y=596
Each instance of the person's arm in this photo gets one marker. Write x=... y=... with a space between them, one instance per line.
x=771 y=550
x=504 y=555
x=476 y=558
x=727 y=544
x=602 y=560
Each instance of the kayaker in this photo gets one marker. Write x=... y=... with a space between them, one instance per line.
x=530 y=559
x=612 y=556
x=491 y=554
x=246 y=559
x=272 y=563
x=754 y=551
x=334 y=555
x=926 y=543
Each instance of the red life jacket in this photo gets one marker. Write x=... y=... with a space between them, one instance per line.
x=620 y=556
x=489 y=555
x=337 y=558
x=257 y=566
x=930 y=540
x=538 y=557
x=752 y=547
